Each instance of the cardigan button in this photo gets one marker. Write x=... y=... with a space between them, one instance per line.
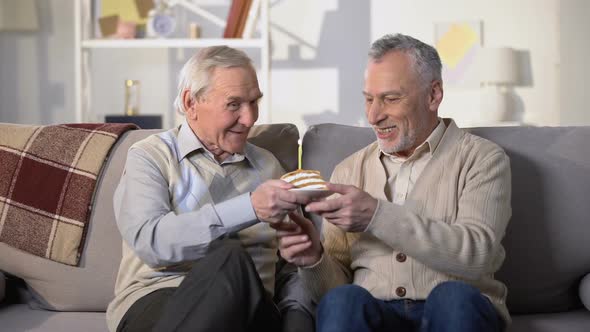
x=401 y=257
x=400 y=291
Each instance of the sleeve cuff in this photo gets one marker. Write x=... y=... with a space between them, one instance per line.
x=320 y=277
x=374 y=214
x=316 y=263
x=384 y=224
x=236 y=213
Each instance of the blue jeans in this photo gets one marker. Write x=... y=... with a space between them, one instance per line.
x=451 y=306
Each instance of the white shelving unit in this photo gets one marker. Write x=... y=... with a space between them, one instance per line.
x=84 y=44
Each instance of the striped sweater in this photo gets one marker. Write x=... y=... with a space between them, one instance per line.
x=450 y=226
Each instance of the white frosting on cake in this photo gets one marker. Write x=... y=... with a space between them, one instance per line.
x=305 y=179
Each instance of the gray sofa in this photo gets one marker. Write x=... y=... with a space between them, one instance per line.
x=548 y=253
x=75 y=298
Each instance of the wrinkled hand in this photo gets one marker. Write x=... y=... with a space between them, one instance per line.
x=299 y=241
x=352 y=211
x=272 y=200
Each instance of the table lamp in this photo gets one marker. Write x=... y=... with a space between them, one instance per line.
x=498 y=71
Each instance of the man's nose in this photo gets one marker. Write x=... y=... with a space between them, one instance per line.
x=249 y=115
x=374 y=113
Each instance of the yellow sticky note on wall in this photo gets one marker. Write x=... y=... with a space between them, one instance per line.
x=455 y=44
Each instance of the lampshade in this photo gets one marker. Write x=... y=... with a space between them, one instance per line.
x=18 y=15
x=498 y=66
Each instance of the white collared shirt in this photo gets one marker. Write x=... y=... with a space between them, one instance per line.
x=402 y=173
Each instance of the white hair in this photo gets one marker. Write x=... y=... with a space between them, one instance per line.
x=196 y=72
x=425 y=57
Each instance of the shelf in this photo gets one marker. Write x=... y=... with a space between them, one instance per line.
x=172 y=43
x=85 y=43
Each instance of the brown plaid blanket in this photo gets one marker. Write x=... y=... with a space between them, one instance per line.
x=47 y=180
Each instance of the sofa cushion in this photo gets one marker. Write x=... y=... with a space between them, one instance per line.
x=90 y=286
x=571 y=321
x=20 y=317
x=281 y=139
x=547 y=251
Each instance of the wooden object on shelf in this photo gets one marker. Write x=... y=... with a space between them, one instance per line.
x=194 y=31
x=236 y=19
x=108 y=25
x=144 y=7
x=243 y=18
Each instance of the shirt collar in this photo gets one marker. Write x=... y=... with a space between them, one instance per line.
x=188 y=142
x=435 y=137
x=429 y=145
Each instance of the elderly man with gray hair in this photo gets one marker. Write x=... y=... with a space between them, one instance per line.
x=194 y=207
x=412 y=238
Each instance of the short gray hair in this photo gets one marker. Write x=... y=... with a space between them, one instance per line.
x=196 y=72
x=425 y=57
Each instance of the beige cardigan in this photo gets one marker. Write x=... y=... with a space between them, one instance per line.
x=450 y=227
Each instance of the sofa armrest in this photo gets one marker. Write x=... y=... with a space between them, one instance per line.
x=585 y=291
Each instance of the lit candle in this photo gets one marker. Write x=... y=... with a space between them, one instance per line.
x=300 y=152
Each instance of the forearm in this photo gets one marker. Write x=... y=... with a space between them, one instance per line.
x=466 y=245
x=463 y=249
x=168 y=239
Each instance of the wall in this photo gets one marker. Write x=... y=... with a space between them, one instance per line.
x=575 y=52
x=529 y=26
x=318 y=75
x=318 y=57
x=36 y=68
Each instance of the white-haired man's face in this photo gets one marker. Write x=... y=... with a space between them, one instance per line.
x=223 y=116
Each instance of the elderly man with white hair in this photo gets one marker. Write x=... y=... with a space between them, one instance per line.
x=194 y=208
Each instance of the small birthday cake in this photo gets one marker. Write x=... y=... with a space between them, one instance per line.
x=305 y=179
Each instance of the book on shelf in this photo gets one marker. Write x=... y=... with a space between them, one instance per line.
x=236 y=18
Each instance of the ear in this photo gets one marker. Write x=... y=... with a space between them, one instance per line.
x=435 y=96
x=189 y=104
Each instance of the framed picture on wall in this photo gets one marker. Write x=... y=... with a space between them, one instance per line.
x=458 y=44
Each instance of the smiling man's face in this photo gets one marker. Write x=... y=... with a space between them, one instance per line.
x=223 y=116
x=401 y=108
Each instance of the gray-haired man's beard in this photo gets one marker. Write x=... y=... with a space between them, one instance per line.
x=405 y=142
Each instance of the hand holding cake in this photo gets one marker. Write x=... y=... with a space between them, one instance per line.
x=307 y=183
